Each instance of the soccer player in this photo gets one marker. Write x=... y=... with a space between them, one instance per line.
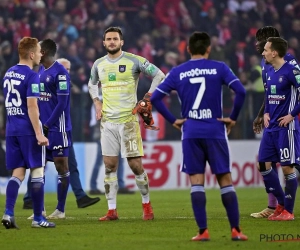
x=54 y=102
x=261 y=39
x=25 y=142
x=198 y=83
x=280 y=142
x=118 y=74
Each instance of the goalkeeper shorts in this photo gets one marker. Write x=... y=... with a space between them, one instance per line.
x=125 y=138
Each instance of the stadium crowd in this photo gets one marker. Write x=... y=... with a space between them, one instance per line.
x=155 y=29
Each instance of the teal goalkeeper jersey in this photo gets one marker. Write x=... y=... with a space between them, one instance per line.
x=119 y=82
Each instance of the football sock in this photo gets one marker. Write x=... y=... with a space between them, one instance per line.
x=62 y=190
x=272 y=201
x=229 y=200
x=111 y=189
x=199 y=206
x=290 y=191
x=143 y=185
x=12 y=190
x=274 y=167
x=37 y=194
x=272 y=185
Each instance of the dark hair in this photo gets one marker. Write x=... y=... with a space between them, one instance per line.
x=198 y=43
x=27 y=45
x=265 y=32
x=113 y=29
x=279 y=45
x=49 y=47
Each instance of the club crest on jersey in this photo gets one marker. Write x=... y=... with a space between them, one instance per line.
x=280 y=78
x=122 y=68
x=273 y=89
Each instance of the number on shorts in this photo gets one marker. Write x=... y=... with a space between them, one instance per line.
x=133 y=145
x=284 y=153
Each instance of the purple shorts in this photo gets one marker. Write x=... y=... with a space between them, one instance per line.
x=280 y=146
x=24 y=151
x=59 y=144
x=197 y=152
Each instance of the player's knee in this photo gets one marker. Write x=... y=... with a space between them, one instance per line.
x=262 y=166
x=37 y=172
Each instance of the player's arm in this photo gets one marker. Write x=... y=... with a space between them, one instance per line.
x=94 y=90
x=157 y=100
x=240 y=93
x=63 y=93
x=144 y=106
x=33 y=110
x=294 y=78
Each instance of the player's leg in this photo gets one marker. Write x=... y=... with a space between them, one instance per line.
x=27 y=196
x=120 y=173
x=110 y=150
x=288 y=148
x=194 y=161
x=132 y=149
x=220 y=166
x=266 y=155
x=58 y=152
x=14 y=158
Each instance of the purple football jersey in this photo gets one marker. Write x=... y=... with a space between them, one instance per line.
x=282 y=95
x=19 y=83
x=199 y=86
x=55 y=81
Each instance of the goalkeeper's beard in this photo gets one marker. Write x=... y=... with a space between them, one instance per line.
x=113 y=51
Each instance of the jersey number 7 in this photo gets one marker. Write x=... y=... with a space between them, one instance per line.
x=201 y=90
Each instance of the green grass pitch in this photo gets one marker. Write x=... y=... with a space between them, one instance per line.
x=172 y=227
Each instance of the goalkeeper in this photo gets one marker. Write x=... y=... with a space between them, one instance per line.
x=117 y=74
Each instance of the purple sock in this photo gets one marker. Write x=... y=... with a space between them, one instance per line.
x=37 y=194
x=272 y=185
x=12 y=190
x=198 y=203
x=274 y=167
x=291 y=185
x=62 y=190
x=230 y=203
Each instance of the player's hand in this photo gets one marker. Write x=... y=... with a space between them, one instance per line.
x=258 y=125
x=228 y=123
x=266 y=119
x=42 y=140
x=178 y=123
x=98 y=109
x=285 y=120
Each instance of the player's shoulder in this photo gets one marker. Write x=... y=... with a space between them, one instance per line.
x=132 y=56
x=100 y=60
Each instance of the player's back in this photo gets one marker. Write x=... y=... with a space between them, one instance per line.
x=199 y=87
x=19 y=83
x=55 y=81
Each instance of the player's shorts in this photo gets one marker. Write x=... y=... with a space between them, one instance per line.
x=125 y=138
x=59 y=143
x=197 y=152
x=24 y=151
x=280 y=146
